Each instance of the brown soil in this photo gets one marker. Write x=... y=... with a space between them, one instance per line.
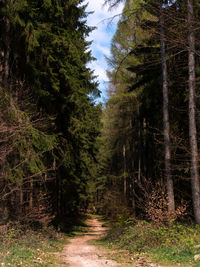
x=80 y=253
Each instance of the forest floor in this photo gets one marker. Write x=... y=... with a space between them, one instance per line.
x=93 y=246
x=81 y=253
x=89 y=243
x=87 y=250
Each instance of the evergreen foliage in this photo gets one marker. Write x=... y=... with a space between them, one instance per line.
x=54 y=161
x=44 y=45
x=131 y=158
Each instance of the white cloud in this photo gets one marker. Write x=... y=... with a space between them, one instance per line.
x=99 y=71
x=106 y=22
x=105 y=50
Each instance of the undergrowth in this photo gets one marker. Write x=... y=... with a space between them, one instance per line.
x=20 y=247
x=38 y=245
x=174 y=243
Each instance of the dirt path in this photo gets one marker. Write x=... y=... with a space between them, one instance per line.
x=79 y=253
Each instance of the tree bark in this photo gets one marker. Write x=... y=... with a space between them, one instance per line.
x=125 y=180
x=166 y=126
x=192 y=114
x=21 y=199
x=139 y=145
x=7 y=52
x=31 y=195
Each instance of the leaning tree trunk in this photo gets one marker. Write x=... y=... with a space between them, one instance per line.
x=166 y=127
x=192 y=111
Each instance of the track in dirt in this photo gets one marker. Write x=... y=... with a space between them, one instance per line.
x=79 y=253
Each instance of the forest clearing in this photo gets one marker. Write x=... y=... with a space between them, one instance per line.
x=70 y=160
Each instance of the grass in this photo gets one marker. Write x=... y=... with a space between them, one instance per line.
x=113 y=252
x=169 y=245
x=41 y=247
x=31 y=248
x=170 y=256
x=127 y=242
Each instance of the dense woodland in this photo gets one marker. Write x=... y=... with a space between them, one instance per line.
x=61 y=153
x=149 y=159
x=48 y=122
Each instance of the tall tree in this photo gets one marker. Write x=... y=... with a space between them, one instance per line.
x=48 y=56
x=6 y=37
x=169 y=180
x=167 y=153
x=192 y=113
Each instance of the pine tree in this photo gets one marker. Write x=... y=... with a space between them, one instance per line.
x=192 y=113
x=136 y=48
x=48 y=56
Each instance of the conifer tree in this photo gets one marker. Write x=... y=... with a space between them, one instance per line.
x=48 y=56
x=136 y=74
x=192 y=113
x=166 y=125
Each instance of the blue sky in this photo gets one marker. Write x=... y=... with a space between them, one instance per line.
x=101 y=37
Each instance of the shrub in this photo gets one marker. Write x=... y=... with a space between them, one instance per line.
x=143 y=235
x=155 y=205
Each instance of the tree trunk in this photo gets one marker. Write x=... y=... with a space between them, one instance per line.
x=7 y=52
x=166 y=127
x=192 y=111
x=21 y=199
x=132 y=182
x=139 y=145
x=125 y=180
x=31 y=195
